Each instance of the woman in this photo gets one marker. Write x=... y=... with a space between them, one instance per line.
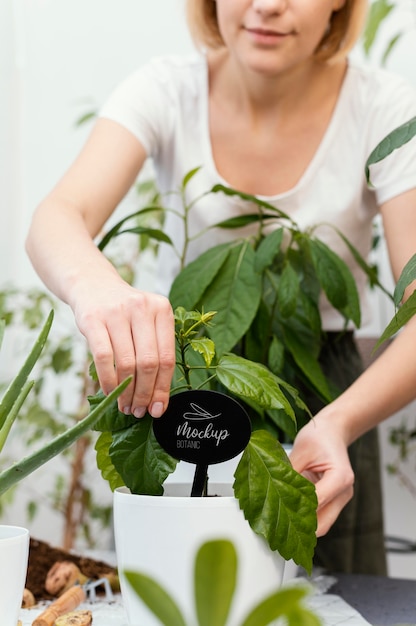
x=273 y=108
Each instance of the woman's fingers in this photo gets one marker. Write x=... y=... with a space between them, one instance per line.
x=321 y=455
x=133 y=336
x=154 y=344
x=333 y=494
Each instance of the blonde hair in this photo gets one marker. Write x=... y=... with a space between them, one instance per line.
x=344 y=28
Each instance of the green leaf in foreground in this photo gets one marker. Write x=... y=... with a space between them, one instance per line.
x=287 y=603
x=215 y=582
x=156 y=599
x=280 y=503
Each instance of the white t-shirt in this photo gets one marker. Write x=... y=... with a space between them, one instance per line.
x=165 y=105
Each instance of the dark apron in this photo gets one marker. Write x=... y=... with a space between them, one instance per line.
x=355 y=543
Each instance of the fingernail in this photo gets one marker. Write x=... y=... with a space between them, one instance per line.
x=157 y=409
x=127 y=410
x=139 y=412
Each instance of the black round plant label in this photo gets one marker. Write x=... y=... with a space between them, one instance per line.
x=203 y=427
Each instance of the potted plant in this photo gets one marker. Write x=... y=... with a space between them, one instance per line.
x=265 y=334
x=161 y=534
x=14 y=541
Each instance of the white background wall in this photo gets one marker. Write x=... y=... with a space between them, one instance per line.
x=59 y=58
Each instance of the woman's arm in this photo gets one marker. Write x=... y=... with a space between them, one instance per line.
x=389 y=384
x=128 y=332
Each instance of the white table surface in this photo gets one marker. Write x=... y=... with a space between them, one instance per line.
x=332 y=610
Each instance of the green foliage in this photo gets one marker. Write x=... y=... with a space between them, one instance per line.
x=278 y=503
x=247 y=323
x=379 y=12
x=11 y=404
x=394 y=141
x=266 y=290
x=215 y=581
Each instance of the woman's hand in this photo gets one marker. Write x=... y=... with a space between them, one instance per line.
x=130 y=333
x=320 y=454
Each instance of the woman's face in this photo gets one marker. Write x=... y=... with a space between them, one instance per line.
x=272 y=36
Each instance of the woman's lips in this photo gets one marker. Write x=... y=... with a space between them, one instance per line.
x=265 y=36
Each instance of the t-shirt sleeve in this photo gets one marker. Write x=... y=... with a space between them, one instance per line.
x=396 y=173
x=142 y=103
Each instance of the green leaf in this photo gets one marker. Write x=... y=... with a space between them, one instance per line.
x=369 y=270
x=152 y=233
x=14 y=412
x=379 y=10
x=390 y=47
x=268 y=249
x=287 y=291
x=278 y=503
x=403 y=315
x=253 y=381
x=407 y=276
x=87 y=117
x=112 y=419
x=235 y=294
x=61 y=360
x=104 y=464
x=156 y=599
x=215 y=582
x=191 y=282
x=242 y=220
x=285 y=424
x=352 y=310
x=307 y=363
x=327 y=266
x=115 y=230
x=141 y=462
x=205 y=347
x=2 y=328
x=286 y=602
x=276 y=356
x=13 y=390
x=228 y=191
x=189 y=176
x=394 y=140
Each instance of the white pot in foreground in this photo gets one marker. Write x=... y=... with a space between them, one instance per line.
x=159 y=536
x=14 y=553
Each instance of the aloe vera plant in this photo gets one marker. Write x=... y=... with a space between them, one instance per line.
x=12 y=402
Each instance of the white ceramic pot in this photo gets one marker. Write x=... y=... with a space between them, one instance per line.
x=160 y=536
x=14 y=553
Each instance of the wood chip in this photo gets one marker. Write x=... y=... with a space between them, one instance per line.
x=75 y=618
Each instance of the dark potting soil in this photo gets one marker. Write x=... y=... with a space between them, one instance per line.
x=41 y=558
